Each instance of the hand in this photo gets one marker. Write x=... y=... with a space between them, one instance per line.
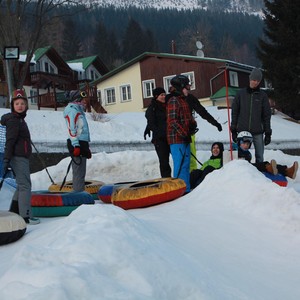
x=147 y=132
x=219 y=126
x=76 y=151
x=89 y=154
x=6 y=166
x=267 y=139
x=234 y=135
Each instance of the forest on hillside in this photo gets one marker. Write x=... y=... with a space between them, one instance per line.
x=118 y=35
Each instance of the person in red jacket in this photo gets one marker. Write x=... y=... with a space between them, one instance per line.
x=180 y=126
x=16 y=155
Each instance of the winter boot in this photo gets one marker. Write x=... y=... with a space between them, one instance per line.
x=292 y=171
x=14 y=207
x=272 y=167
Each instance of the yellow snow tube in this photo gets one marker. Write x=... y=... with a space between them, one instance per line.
x=148 y=192
x=91 y=187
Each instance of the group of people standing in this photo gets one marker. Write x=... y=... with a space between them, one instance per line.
x=171 y=119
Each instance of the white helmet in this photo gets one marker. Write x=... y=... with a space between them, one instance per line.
x=245 y=136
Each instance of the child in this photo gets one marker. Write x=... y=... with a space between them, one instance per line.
x=215 y=162
x=17 y=152
x=244 y=141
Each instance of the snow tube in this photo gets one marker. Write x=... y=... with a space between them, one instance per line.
x=106 y=190
x=148 y=192
x=278 y=179
x=12 y=227
x=91 y=186
x=48 y=204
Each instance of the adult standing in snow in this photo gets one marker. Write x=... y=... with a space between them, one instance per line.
x=180 y=126
x=157 y=122
x=79 y=136
x=17 y=153
x=251 y=112
x=195 y=106
x=215 y=162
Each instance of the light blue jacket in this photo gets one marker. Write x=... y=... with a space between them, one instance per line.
x=78 y=128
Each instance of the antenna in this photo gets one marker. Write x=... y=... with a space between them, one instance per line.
x=199 y=46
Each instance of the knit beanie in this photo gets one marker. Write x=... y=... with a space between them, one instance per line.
x=156 y=92
x=18 y=94
x=256 y=74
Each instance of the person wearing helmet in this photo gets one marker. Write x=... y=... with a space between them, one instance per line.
x=17 y=153
x=250 y=111
x=215 y=162
x=79 y=136
x=195 y=106
x=180 y=126
x=244 y=141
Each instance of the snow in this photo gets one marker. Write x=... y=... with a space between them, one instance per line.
x=236 y=236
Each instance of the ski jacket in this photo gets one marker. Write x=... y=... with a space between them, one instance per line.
x=250 y=111
x=216 y=163
x=76 y=122
x=156 y=115
x=180 y=121
x=196 y=106
x=18 y=141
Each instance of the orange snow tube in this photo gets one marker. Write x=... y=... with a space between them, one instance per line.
x=148 y=192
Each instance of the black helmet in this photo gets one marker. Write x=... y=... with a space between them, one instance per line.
x=180 y=81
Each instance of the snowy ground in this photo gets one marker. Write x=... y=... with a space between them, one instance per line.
x=236 y=236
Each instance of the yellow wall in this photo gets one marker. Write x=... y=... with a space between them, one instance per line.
x=131 y=76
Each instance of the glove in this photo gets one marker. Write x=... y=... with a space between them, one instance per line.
x=267 y=139
x=147 y=132
x=89 y=154
x=219 y=126
x=76 y=151
x=6 y=166
x=234 y=135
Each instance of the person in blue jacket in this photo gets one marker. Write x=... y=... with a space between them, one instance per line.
x=79 y=136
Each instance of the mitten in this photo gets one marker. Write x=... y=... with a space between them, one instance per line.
x=89 y=154
x=219 y=126
x=76 y=151
x=267 y=139
x=147 y=132
x=234 y=135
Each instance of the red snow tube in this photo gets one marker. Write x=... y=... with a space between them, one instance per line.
x=48 y=204
x=12 y=227
x=148 y=192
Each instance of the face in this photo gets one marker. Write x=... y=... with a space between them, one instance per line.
x=20 y=105
x=83 y=102
x=161 y=98
x=254 y=84
x=215 y=150
x=186 y=90
x=245 y=145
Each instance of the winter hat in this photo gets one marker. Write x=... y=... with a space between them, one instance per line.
x=256 y=74
x=156 y=92
x=75 y=95
x=18 y=94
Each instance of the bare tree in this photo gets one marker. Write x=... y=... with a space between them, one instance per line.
x=22 y=23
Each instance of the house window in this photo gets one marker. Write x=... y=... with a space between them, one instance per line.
x=110 y=96
x=233 y=79
x=191 y=77
x=125 y=92
x=148 y=86
x=167 y=82
x=33 y=97
x=92 y=75
x=99 y=98
x=46 y=65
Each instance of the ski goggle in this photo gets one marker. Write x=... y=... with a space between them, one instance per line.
x=83 y=94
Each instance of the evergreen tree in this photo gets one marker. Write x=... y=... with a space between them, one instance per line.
x=279 y=52
x=72 y=46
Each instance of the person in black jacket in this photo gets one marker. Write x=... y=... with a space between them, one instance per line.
x=16 y=155
x=195 y=106
x=157 y=122
x=250 y=111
